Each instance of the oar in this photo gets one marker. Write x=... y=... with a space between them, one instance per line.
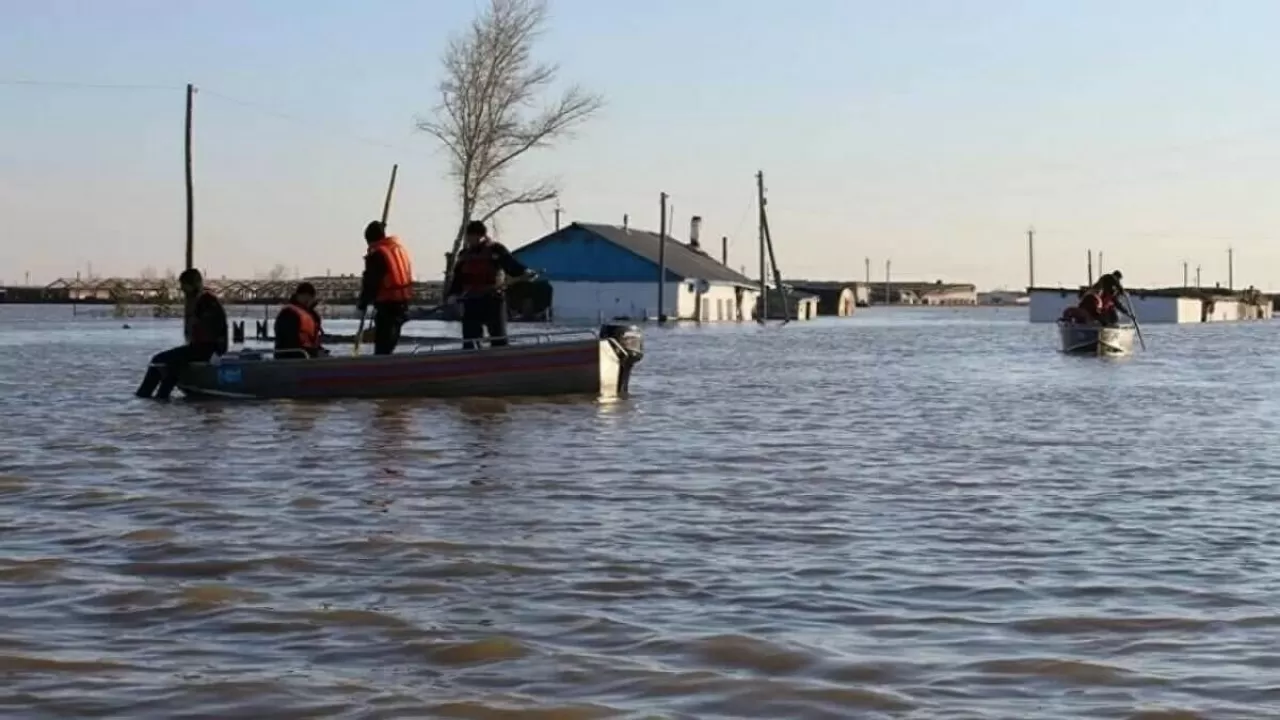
x=1132 y=314
x=527 y=277
x=386 y=211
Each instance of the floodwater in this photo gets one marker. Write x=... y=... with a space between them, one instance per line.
x=910 y=514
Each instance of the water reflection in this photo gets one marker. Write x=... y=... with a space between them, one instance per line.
x=300 y=417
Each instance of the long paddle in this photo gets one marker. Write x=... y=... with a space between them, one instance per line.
x=527 y=277
x=386 y=211
x=1129 y=301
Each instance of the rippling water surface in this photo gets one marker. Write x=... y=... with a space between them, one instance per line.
x=910 y=514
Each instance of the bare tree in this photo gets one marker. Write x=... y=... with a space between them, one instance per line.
x=278 y=272
x=147 y=273
x=492 y=111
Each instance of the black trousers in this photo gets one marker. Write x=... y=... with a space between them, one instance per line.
x=160 y=380
x=387 y=321
x=481 y=314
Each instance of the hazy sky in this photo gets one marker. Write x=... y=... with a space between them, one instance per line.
x=928 y=132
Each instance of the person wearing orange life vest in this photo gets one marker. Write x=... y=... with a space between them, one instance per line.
x=387 y=286
x=205 y=330
x=298 y=326
x=1102 y=302
x=478 y=284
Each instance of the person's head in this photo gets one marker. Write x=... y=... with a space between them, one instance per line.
x=375 y=231
x=475 y=232
x=1115 y=274
x=191 y=282
x=305 y=295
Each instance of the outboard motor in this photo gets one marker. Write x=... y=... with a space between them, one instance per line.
x=630 y=348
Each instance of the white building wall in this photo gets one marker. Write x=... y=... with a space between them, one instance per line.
x=597 y=301
x=1047 y=306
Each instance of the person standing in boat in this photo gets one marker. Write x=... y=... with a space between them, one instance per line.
x=387 y=286
x=205 y=331
x=298 y=326
x=1103 y=302
x=478 y=283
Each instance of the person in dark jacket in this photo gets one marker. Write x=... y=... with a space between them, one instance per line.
x=205 y=329
x=298 y=326
x=1104 y=301
x=479 y=284
x=387 y=286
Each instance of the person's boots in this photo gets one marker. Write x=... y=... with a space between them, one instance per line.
x=149 y=383
x=167 y=382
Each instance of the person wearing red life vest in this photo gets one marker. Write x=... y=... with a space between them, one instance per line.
x=1101 y=303
x=298 y=330
x=478 y=282
x=387 y=286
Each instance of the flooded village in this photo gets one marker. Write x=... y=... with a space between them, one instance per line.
x=861 y=450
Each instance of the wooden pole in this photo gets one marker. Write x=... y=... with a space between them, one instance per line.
x=1185 y=279
x=764 y=288
x=1031 y=257
x=391 y=188
x=1231 y=270
x=191 y=212
x=662 y=257
x=888 y=298
x=773 y=260
x=1090 y=268
x=557 y=217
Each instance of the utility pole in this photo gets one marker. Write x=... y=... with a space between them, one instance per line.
x=1099 y=263
x=1184 y=274
x=887 y=296
x=867 y=262
x=1031 y=257
x=557 y=216
x=764 y=288
x=1090 y=268
x=191 y=212
x=662 y=257
x=1197 y=276
x=1231 y=276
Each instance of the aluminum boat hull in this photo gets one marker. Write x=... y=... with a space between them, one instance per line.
x=591 y=366
x=1078 y=339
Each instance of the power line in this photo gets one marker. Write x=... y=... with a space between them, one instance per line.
x=261 y=108
x=87 y=86
x=288 y=117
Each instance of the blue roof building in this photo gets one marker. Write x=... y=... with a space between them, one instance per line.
x=604 y=272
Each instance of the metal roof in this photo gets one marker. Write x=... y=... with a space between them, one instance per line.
x=682 y=260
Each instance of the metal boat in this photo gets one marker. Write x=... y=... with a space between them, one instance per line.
x=1092 y=339
x=543 y=364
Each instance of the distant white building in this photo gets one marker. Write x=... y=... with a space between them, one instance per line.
x=604 y=272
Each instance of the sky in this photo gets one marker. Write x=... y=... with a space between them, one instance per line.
x=931 y=134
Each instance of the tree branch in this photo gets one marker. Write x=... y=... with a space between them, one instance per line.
x=504 y=199
x=491 y=109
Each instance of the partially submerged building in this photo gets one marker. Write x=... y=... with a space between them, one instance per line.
x=604 y=272
x=923 y=293
x=836 y=299
x=1163 y=305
